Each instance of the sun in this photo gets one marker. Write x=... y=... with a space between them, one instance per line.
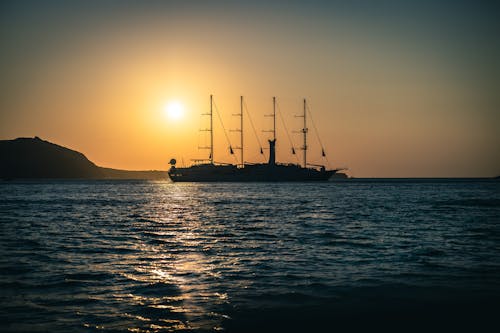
x=174 y=110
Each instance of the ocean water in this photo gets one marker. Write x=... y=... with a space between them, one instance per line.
x=139 y=256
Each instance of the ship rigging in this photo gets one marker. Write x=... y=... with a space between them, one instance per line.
x=202 y=171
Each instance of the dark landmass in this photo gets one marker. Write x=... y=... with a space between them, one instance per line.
x=34 y=158
x=126 y=174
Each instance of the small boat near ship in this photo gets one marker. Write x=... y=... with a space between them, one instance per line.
x=272 y=171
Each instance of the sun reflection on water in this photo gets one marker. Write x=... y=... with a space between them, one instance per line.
x=173 y=277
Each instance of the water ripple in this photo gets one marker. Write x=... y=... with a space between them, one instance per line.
x=162 y=257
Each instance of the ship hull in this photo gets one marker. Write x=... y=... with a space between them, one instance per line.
x=250 y=173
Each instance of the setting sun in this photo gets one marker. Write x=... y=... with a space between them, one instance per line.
x=174 y=110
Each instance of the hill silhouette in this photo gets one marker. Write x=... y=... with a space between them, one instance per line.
x=36 y=158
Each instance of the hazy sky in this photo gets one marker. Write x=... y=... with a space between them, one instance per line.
x=396 y=88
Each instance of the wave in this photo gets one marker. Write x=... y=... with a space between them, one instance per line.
x=473 y=202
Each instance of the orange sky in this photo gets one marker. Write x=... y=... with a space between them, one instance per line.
x=390 y=98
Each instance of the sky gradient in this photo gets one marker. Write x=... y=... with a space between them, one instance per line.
x=397 y=89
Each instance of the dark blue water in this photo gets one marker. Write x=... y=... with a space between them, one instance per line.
x=121 y=256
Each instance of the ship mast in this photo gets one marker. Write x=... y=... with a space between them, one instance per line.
x=241 y=133
x=274 y=118
x=272 y=143
x=304 y=132
x=211 y=131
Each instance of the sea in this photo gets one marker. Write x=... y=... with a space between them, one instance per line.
x=156 y=256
